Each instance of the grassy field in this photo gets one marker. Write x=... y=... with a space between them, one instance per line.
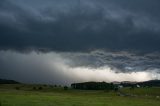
x=31 y=95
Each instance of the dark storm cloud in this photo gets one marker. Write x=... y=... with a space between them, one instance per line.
x=120 y=38
x=79 y=25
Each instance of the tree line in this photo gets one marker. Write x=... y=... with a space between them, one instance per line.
x=93 y=86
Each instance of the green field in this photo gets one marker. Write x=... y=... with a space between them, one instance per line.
x=31 y=95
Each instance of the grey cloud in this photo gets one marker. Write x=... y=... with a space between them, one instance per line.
x=33 y=67
x=79 y=25
x=121 y=61
x=69 y=67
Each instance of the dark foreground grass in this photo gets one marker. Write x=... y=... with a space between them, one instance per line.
x=51 y=96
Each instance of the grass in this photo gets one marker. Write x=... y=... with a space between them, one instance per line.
x=152 y=91
x=57 y=96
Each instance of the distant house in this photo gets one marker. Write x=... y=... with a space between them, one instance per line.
x=138 y=86
x=120 y=86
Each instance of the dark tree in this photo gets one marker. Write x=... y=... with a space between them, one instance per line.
x=65 y=88
x=40 y=88
x=93 y=86
x=17 y=88
x=34 y=88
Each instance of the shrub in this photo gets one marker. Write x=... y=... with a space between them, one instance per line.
x=45 y=85
x=17 y=88
x=34 y=88
x=106 y=90
x=132 y=87
x=40 y=88
x=116 y=89
x=65 y=88
x=51 y=86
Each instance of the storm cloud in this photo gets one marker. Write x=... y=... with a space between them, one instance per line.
x=63 y=68
x=80 y=25
x=59 y=41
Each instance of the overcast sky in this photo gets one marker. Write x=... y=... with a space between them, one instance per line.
x=66 y=41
